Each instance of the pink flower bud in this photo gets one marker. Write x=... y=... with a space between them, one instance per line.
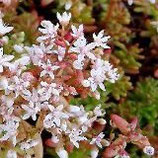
x=50 y=143
x=133 y=124
x=121 y=124
x=44 y=3
x=107 y=51
x=60 y=43
x=68 y=37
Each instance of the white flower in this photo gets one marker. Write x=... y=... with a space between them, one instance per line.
x=18 y=85
x=4 y=60
x=54 y=118
x=97 y=140
x=78 y=65
x=62 y=153
x=31 y=96
x=3 y=83
x=149 y=150
x=64 y=18
x=28 y=144
x=31 y=110
x=11 y=154
x=4 y=28
x=48 y=69
x=101 y=40
x=36 y=54
x=60 y=52
x=9 y=130
x=34 y=105
x=76 y=33
x=8 y=102
x=49 y=31
x=98 y=111
x=47 y=90
x=97 y=78
x=83 y=49
x=75 y=136
x=19 y=65
x=102 y=71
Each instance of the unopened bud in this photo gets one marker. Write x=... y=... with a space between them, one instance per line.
x=101 y=121
x=105 y=142
x=5 y=39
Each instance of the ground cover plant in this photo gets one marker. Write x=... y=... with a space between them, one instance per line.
x=78 y=78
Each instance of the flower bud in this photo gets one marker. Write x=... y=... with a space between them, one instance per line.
x=5 y=39
x=101 y=121
x=105 y=142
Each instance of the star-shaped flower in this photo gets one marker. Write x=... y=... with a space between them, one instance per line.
x=5 y=60
x=4 y=28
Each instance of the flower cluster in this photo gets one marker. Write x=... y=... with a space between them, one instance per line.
x=40 y=82
x=60 y=64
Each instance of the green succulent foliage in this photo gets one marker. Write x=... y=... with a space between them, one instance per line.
x=101 y=6
x=142 y=102
x=147 y=8
x=129 y=58
x=25 y=22
x=120 y=88
x=91 y=102
x=82 y=152
x=16 y=38
x=149 y=12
